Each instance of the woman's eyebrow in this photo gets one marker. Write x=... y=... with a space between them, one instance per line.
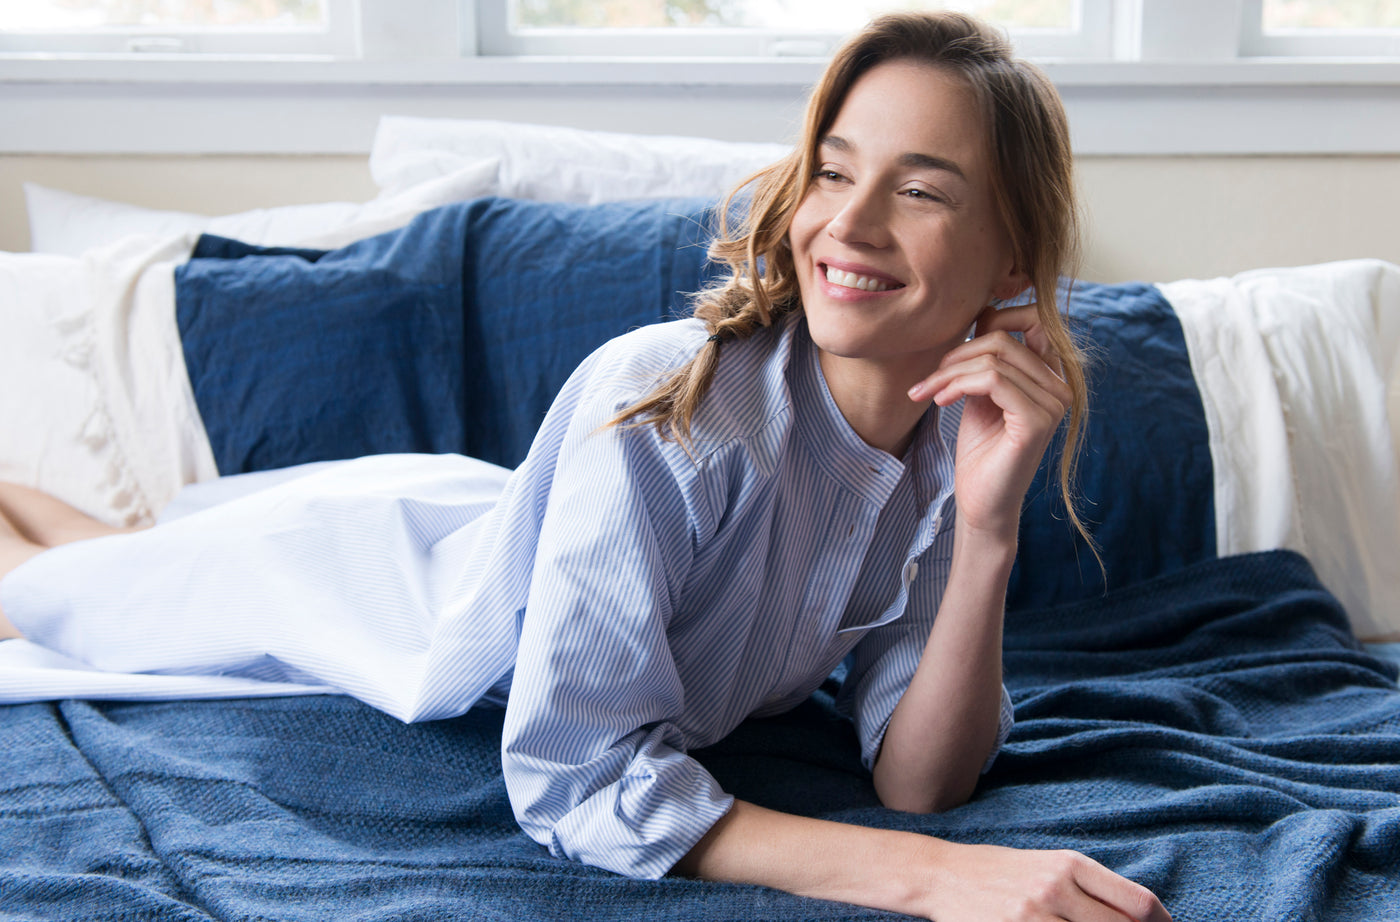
x=930 y=162
x=916 y=161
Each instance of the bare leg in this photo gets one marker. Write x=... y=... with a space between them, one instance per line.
x=48 y=521
x=14 y=550
x=31 y=522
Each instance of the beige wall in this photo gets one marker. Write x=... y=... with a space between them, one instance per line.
x=1158 y=219
x=1149 y=218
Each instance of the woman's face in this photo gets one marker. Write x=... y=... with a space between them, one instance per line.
x=897 y=244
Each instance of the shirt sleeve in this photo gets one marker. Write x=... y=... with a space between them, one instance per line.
x=883 y=663
x=592 y=753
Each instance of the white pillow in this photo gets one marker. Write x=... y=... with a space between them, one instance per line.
x=94 y=394
x=550 y=163
x=1293 y=367
x=94 y=398
x=64 y=222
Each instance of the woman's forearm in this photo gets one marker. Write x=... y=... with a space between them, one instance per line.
x=945 y=724
x=815 y=858
x=910 y=873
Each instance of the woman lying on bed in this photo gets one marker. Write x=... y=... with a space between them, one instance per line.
x=715 y=513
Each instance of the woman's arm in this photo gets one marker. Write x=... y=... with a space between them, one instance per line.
x=913 y=874
x=945 y=724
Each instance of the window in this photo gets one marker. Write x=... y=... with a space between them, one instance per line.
x=762 y=28
x=756 y=30
x=263 y=27
x=1321 y=28
x=314 y=76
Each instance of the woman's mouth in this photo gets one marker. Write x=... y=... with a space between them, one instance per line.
x=857 y=281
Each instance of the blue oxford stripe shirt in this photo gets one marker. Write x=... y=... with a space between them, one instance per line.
x=711 y=582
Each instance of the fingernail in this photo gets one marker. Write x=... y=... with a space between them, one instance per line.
x=917 y=391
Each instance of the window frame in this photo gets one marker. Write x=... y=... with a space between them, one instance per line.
x=1091 y=38
x=1164 y=91
x=1256 y=42
x=338 y=39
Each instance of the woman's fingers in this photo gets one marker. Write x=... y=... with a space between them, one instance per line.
x=1010 y=387
x=999 y=350
x=994 y=351
x=1024 y=319
x=1016 y=386
x=1127 y=898
x=992 y=881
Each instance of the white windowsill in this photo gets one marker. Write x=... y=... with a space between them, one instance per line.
x=173 y=104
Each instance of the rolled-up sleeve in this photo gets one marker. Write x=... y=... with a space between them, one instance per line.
x=593 y=756
x=883 y=664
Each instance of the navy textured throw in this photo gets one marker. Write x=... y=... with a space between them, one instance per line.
x=1215 y=734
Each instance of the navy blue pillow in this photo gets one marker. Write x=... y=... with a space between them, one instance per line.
x=452 y=334
x=1146 y=483
x=549 y=283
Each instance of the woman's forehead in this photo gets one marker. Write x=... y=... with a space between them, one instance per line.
x=914 y=111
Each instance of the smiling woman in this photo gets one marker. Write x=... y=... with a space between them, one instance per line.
x=819 y=467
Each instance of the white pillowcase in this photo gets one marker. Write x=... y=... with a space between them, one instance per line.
x=65 y=222
x=550 y=163
x=94 y=395
x=1293 y=367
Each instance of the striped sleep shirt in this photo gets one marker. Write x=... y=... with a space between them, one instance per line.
x=628 y=598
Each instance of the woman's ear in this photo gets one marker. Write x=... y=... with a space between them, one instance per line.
x=1014 y=283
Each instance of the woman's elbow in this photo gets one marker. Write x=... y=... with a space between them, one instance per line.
x=933 y=797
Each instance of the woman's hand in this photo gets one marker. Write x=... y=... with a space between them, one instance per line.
x=989 y=882
x=1016 y=398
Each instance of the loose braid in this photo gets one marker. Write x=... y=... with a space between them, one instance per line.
x=761 y=287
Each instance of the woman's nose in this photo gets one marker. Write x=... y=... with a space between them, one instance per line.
x=860 y=220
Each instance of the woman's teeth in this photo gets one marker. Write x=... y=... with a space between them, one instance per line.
x=851 y=280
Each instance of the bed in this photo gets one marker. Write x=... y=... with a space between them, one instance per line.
x=1200 y=715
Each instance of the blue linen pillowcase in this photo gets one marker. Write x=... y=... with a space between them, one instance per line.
x=452 y=334
x=1145 y=481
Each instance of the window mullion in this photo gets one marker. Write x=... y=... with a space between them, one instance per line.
x=1189 y=30
x=427 y=30
x=491 y=21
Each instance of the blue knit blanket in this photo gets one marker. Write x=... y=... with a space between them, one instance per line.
x=1215 y=734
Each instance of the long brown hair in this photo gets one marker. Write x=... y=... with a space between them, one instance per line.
x=1032 y=182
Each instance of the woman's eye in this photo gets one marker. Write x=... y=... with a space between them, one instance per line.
x=923 y=195
x=829 y=175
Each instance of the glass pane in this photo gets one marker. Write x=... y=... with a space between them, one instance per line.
x=64 y=15
x=1292 y=15
x=778 y=15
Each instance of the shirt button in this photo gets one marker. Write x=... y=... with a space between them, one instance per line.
x=913 y=570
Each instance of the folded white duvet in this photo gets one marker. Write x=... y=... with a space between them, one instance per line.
x=1294 y=367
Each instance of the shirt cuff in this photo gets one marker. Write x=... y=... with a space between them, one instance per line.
x=643 y=823
x=1004 y=724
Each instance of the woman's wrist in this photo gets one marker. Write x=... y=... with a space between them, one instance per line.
x=993 y=551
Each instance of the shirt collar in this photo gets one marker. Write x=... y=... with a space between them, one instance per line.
x=842 y=453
